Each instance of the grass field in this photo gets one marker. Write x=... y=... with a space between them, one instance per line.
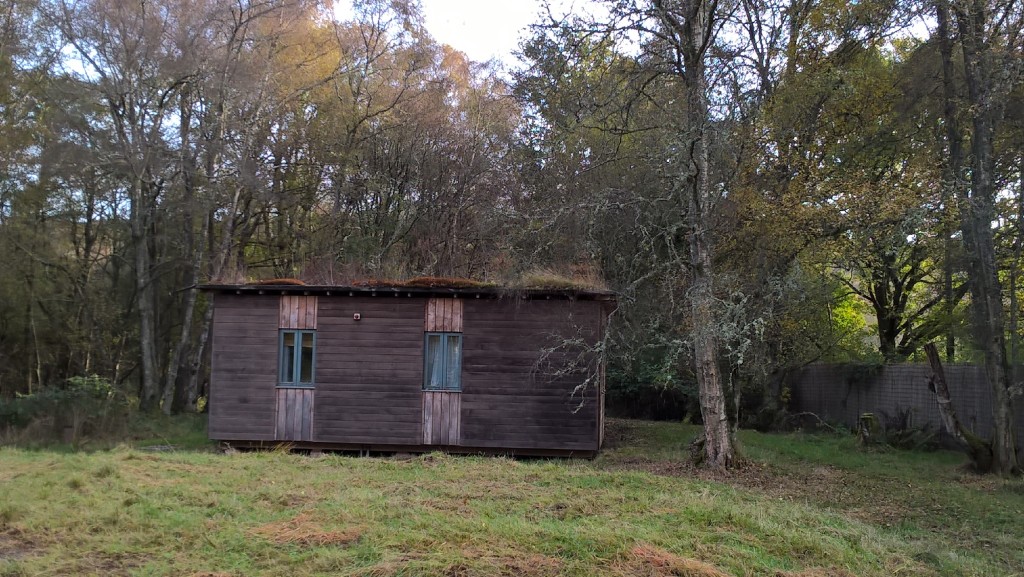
x=805 y=506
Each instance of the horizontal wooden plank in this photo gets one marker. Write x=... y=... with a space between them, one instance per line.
x=246 y=333
x=524 y=446
x=264 y=354
x=367 y=315
x=363 y=407
x=331 y=436
x=533 y=437
x=523 y=423
x=224 y=302
x=369 y=422
x=366 y=351
x=368 y=391
x=244 y=390
x=482 y=399
x=398 y=336
x=353 y=372
x=366 y=386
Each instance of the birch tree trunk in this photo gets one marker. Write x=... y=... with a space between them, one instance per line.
x=718 y=439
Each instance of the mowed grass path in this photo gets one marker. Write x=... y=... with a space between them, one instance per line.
x=806 y=506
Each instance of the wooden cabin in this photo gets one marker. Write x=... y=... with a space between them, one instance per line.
x=465 y=370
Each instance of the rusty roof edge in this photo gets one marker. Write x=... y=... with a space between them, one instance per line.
x=342 y=290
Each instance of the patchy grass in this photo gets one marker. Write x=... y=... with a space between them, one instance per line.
x=956 y=522
x=805 y=507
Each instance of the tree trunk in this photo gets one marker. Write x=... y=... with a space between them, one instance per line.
x=979 y=451
x=718 y=439
x=149 y=387
x=977 y=214
x=952 y=169
x=174 y=395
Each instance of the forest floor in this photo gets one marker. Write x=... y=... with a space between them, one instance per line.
x=804 y=506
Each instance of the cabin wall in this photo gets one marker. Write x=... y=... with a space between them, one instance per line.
x=243 y=376
x=511 y=396
x=369 y=372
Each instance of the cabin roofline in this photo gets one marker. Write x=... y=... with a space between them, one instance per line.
x=422 y=292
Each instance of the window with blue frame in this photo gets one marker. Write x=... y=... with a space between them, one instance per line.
x=296 y=357
x=442 y=365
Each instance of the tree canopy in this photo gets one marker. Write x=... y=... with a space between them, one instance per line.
x=766 y=183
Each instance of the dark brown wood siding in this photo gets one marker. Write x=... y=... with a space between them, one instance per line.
x=369 y=372
x=511 y=397
x=244 y=373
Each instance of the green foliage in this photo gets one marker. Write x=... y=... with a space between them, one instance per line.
x=852 y=334
x=648 y=377
x=83 y=406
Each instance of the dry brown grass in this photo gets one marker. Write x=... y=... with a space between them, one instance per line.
x=279 y=282
x=577 y=278
x=424 y=282
x=303 y=530
x=650 y=561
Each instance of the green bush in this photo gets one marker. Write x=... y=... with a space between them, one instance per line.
x=82 y=406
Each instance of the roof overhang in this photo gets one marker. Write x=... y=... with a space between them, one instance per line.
x=410 y=292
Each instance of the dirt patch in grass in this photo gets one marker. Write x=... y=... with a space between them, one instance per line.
x=652 y=561
x=107 y=564
x=302 y=530
x=508 y=565
x=14 y=546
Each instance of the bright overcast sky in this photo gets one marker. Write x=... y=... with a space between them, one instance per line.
x=483 y=29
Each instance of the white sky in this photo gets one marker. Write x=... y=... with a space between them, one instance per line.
x=483 y=29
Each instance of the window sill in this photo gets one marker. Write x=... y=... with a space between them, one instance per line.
x=291 y=386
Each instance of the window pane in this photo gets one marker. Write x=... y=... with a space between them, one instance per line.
x=306 y=365
x=453 y=362
x=287 y=357
x=434 y=369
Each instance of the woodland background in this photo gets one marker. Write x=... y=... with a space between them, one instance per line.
x=831 y=158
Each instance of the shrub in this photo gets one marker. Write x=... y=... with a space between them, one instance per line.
x=899 y=432
x=82 y=406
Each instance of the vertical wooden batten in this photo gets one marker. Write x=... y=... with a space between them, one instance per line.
x=298 y=312
x=442 y=420
x=295 y=405
x=442 y=410
x=443 y=316
x=294 y=415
